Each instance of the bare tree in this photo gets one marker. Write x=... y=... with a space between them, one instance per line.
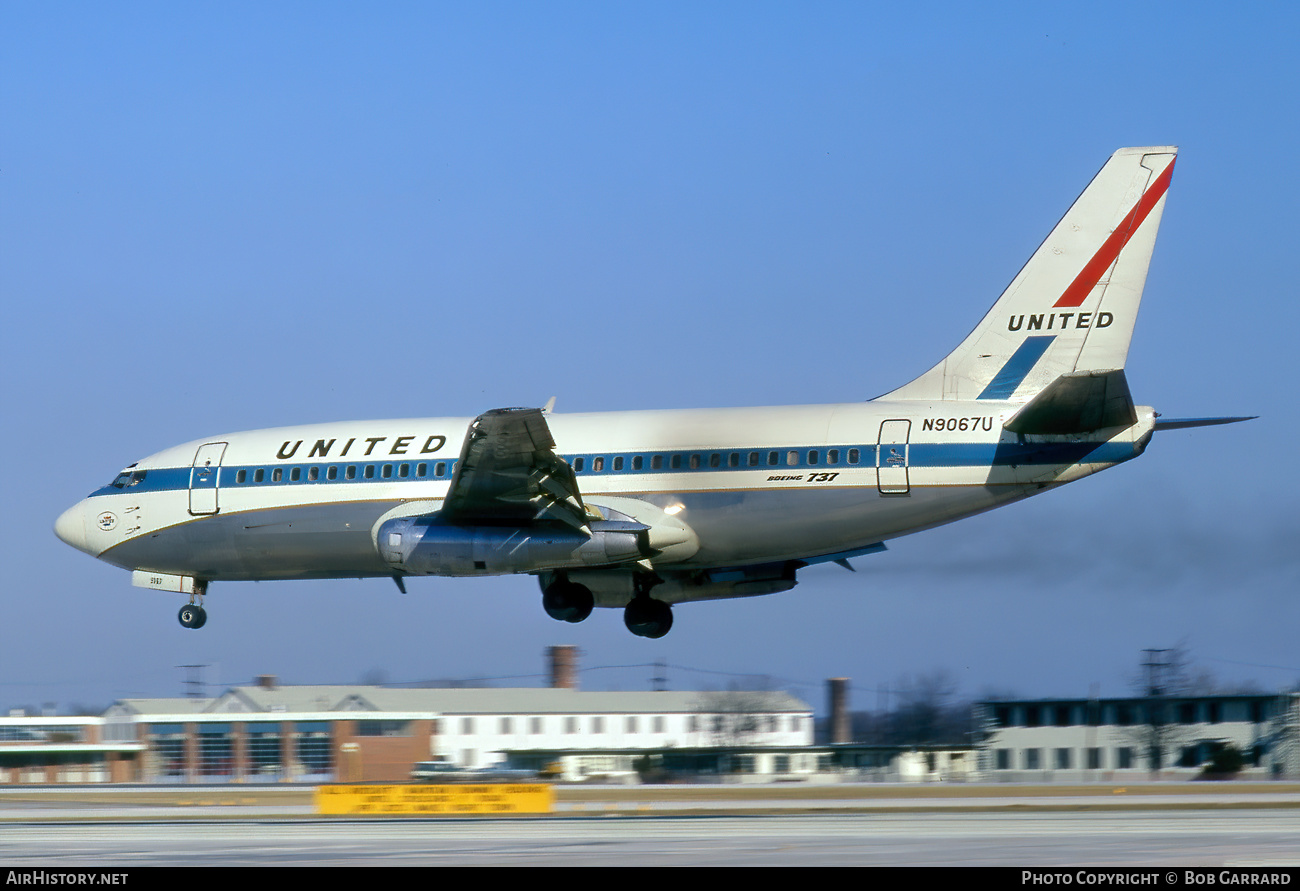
x=734 y=717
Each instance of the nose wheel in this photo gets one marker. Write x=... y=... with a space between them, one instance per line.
x=192 y=614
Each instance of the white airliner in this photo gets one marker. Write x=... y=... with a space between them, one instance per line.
x=643 y=509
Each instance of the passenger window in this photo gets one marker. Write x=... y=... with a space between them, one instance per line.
x=370 y=471
x=421 y=470
x=753 y=459
x=313 y=473
x=332 y=473
x=715 y=460
x=241 y=476
x=695 y=462
x=657 y=462
x=351 y=472
x=388 y=471
x=677 y=462
x=773 y=458
x=812 y=456
x=597 y=464
x=258 y=475
x=440 y=468
x=277 y=475
x=295 y=474
x=833 y=456
x=734 y=460
x=637 y=462
x=404 y=470
x=853 y=456
x=577 y=465
x=792 y=457
x=618 y=463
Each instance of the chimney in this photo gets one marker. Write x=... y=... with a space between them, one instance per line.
x=841 y=729
x=564 y=666
x=264 y=681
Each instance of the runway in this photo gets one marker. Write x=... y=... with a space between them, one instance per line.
x=853 y=825
x=1148 y=838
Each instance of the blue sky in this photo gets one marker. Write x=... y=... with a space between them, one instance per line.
x=217 y=217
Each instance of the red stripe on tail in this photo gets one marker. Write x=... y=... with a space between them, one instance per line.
x=1082 y=286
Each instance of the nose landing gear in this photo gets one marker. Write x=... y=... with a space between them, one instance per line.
x=192 y=614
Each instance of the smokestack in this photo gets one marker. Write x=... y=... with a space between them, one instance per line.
x=265 y=681
x=564 y=667
x=838 y=690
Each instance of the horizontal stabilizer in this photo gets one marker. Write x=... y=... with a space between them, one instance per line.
x=1181 y=423
x=1080 y=402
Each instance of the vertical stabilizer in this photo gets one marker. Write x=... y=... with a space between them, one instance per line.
x=1072 y=306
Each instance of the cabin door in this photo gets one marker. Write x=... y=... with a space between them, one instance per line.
x=891 y=458
x=204 y=476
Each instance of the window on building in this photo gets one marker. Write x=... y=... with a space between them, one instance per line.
x=1094 y=758
x=264 y=751
x=507 y=726
x=1002 y=759
x=629 y=726
x=1124 y=758
x=534 y=725
x=383 y=728
x=467 y=726
x=570 y=725
x=312 y=747
x=660 y=724
x=1063 y=759
x=1032 y=761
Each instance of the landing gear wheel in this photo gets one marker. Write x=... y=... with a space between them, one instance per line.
x=647 y=617
x=193 y=616
x=567 y=601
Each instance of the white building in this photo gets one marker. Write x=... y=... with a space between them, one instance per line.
x=1122 y=740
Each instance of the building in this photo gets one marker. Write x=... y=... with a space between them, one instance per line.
x=48 y=749
x=271 y=733
x=1122 y=740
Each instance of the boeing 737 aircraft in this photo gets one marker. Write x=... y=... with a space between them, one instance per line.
x=640 y=510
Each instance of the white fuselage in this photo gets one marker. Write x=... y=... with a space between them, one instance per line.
x=755 y=485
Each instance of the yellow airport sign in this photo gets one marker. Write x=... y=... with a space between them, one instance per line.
x=492 y=799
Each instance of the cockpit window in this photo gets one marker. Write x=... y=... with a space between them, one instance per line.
x=127 y=478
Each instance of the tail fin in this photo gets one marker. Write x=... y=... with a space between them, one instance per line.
x=1073 y=305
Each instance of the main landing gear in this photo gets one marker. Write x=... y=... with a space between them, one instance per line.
x=192 y=614
x=568 y=601
x=644 y=616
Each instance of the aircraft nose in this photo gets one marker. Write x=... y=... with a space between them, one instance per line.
x=71 y=528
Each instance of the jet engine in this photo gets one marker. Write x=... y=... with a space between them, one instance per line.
x=426 y=545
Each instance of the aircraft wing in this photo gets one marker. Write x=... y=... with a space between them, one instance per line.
x=509 y=472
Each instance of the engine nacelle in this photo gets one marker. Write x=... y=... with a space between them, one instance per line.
x=426 y=545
